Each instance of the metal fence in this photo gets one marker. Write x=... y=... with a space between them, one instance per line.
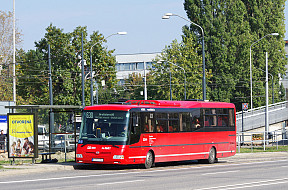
x=257 y=139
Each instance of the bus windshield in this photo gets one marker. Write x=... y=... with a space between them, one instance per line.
x=104 y=127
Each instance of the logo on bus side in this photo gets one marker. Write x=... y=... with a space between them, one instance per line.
x=106 y=148
x=144 y=139
x=90 y=147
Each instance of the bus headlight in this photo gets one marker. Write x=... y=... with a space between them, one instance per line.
x=79 y=156
x=121 y=157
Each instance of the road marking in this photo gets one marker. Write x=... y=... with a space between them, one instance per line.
x=70 y=177
x=141 y=171
x=120 y=182
x=249 y=185
x=215 y=173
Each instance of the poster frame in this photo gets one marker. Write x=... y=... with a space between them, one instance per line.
x=34 y=137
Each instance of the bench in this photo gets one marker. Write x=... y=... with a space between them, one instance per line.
x=46 y=160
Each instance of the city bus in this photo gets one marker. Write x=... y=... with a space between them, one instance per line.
x=149 y=131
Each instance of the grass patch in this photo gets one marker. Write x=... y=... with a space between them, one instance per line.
x=261 y=149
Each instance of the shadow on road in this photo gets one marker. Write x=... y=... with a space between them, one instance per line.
x=125 y=167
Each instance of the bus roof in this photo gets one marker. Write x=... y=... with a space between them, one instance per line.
x=160 y=104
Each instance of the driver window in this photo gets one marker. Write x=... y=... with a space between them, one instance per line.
x=135 y=129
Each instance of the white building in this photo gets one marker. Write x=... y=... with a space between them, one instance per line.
x=133 y=63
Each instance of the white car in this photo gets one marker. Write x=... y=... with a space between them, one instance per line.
x=59 y=141
x=43 y=138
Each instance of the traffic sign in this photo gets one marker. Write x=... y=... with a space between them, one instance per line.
x=244 y=106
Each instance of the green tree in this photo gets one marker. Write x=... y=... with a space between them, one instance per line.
x=32 y=80
x=266 y=17
x=177 y=58
x=6 y=54
x=66 y=67
x=135 y=86
x=230 y=28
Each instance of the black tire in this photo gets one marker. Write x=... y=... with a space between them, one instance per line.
x=211 y=159
x=149 y=161
x=212 y=156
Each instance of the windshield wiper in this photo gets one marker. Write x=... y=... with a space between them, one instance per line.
x=84 y=143
x=115 y=146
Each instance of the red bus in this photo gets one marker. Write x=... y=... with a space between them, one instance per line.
x=150 y=131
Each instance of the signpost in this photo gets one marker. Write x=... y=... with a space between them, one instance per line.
x=244 y=108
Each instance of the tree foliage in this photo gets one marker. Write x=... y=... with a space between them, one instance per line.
x=181 y=59
x=230 y=28
x=66 y=67
x=6 y=54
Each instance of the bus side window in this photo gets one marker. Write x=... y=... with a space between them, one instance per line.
x=186 y=122
x=135 y=129
x=231 y=118
x=147 y=122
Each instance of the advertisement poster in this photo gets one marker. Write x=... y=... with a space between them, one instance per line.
x=21 y=135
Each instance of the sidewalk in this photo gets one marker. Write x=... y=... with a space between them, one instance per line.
x=33 y=168
x=256 y=157
x=42 y=167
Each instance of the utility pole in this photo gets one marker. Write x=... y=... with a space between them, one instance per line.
x=14 y=55
x=82 y=72
x=145 y=82
x=267 y=100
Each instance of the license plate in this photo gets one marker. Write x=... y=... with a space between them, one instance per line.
x=97 y=159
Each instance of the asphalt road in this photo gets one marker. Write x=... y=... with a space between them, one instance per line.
x=233 y=173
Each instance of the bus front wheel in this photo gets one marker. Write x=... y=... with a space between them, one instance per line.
x=149 y=161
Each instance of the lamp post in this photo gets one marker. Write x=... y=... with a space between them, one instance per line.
x=170 y=78
x=82 y=71
x=91 y=78
x=145 y=82
x=184 y=78
x=251 y=95
x=167 y=16
x=14 y=55
x=266 y=95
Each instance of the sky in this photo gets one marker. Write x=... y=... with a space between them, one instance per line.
x=141 y=19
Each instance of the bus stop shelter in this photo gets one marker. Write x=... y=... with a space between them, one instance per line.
x=59 y=120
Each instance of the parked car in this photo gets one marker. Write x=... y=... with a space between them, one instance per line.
x=59 y=142
x=43 y=138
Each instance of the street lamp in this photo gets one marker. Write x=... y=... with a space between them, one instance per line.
x=167 y=16
x=91 y=78
x=170 y=78
x=251 y=96
x=184 y=78
x=14 y=55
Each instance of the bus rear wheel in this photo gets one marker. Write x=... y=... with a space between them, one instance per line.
x=212 y=156
x=149 y=161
